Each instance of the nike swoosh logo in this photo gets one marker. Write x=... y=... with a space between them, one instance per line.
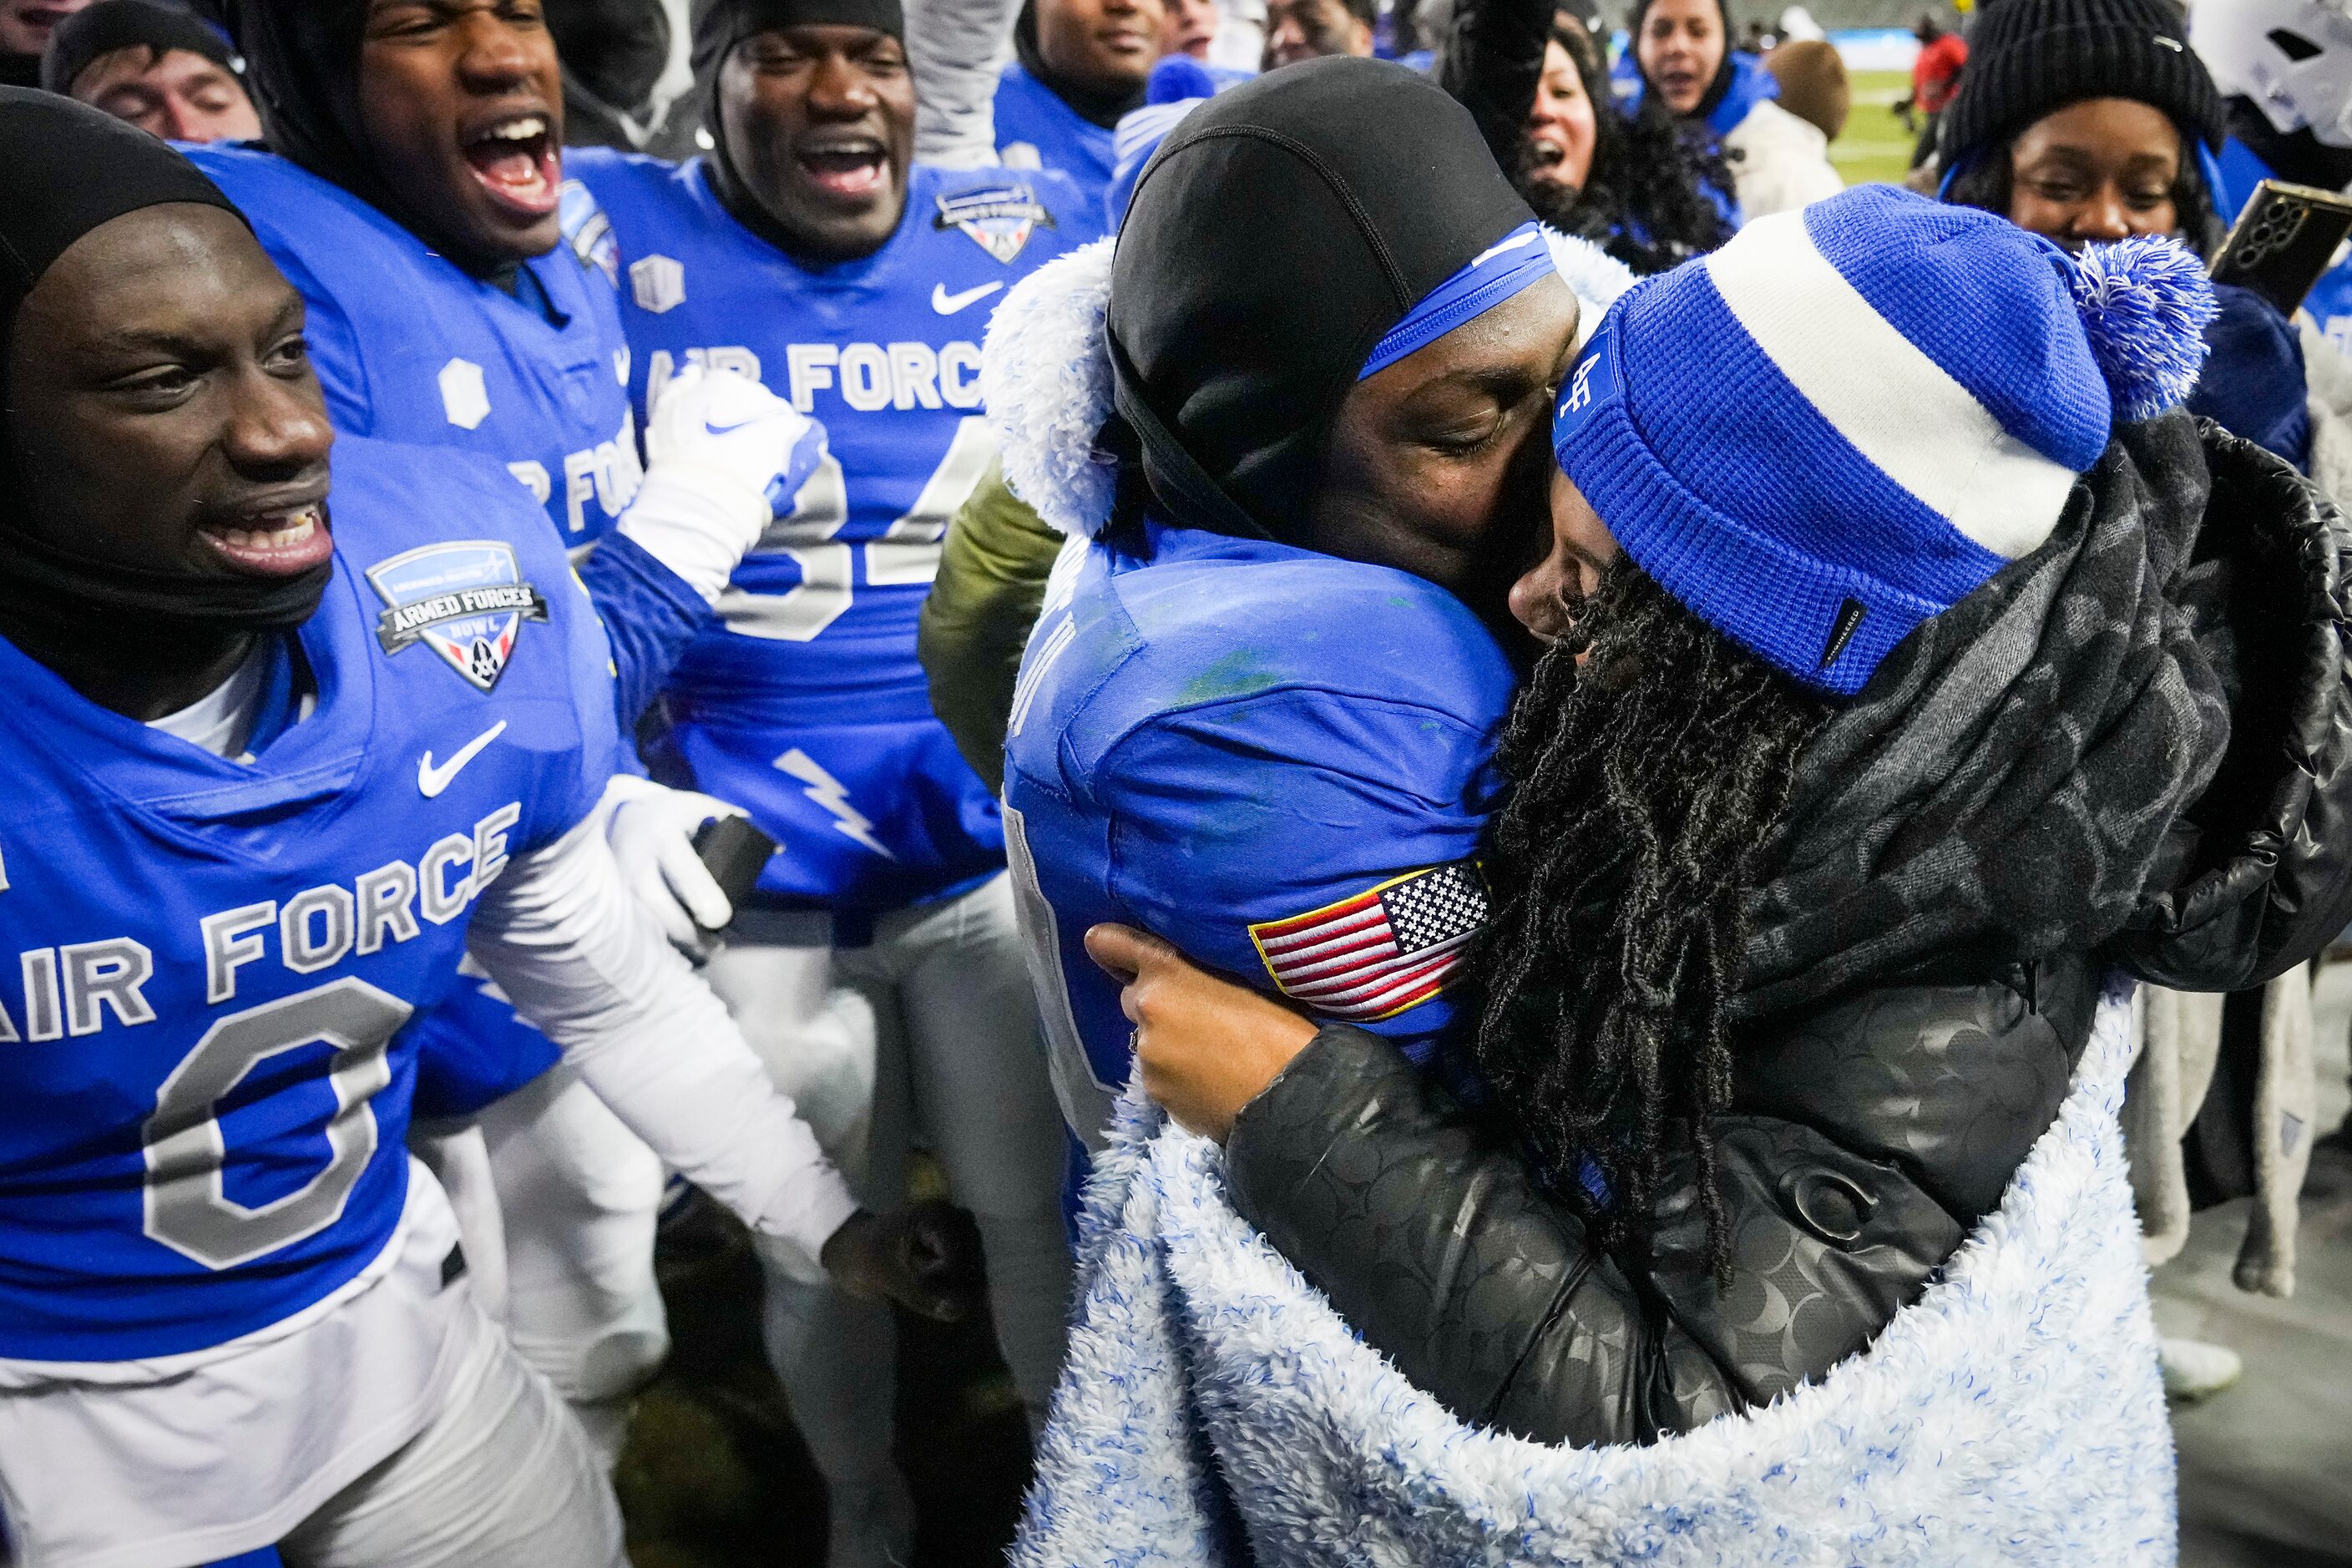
x=431 y=781
x=1486 y=256
x=947 y=304
x=729 y=429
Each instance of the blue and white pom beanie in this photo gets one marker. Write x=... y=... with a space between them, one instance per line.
x=1850 y=417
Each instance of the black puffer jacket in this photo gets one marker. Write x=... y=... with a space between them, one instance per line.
x=1870 y=1127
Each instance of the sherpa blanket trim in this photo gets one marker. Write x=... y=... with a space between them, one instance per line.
x=1044 y=374
x=2013 y=1416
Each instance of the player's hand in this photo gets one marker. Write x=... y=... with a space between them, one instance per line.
x=1206 y=1045
x=729 y=427
x=652 y=835
x=925 y=1259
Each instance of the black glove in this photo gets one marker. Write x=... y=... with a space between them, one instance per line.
x=925 y=1259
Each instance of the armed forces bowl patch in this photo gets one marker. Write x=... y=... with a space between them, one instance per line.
x=1389 y=948
x=465 y=600
x=588 y=231
x=1000 y=218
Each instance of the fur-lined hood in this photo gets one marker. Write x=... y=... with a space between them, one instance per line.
x=1044 y=374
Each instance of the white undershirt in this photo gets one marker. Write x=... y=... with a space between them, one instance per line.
x=221 y=721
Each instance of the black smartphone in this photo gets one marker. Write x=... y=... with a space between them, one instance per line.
x=2283 y=241
x=734 y=853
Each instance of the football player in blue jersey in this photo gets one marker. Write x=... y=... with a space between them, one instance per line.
x=1261 y=709
x=809 y=250
x=265 y=784
x=462 y=294
x=1077 y=65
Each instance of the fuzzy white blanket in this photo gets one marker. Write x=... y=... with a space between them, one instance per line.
x=1215 y=1410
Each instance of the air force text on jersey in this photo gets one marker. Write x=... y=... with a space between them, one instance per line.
x=68 y=990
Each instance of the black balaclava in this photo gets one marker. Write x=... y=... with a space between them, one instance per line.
x=114 y=24
x=1103 y=108
x=66 y=169
x=1712 y=98
x=303 y=66
x=723 y=25
x=1283 y=228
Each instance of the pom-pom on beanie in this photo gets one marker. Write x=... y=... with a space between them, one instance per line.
x=2031 y=58
x=1850 y=417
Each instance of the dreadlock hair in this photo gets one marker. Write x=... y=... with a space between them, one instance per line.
x=1641 y=200
x=1985 y=183
x=1645 y=788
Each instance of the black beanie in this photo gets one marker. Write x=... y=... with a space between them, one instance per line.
x=1280 y=231
x=2030 y=58
x=64 y=170
x=114 y=24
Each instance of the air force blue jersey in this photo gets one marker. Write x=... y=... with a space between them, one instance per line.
x=410 y=348
x=1035 y=128
x=205 y=1068
x=806 y=704
x=1279 y=761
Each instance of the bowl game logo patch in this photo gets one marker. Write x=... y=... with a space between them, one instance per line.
x=588 y=231
x=999 y=218
x=1388 y=948
x=465 y=600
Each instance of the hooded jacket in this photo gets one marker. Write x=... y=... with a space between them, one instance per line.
x=1881 y=1105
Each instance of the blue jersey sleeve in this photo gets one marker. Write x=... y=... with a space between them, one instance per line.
x=651 y=616
x=1316 y=846
x=332 y=346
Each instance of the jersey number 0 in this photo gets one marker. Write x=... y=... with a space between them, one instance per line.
x=188 y=1208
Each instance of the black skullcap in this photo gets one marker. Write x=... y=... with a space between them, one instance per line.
x=727 y=23
x=1277 y=234
x=64 y=169
x=2030 y=58
x=114 y=24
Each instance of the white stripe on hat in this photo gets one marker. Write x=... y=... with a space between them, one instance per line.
x=1892 y=402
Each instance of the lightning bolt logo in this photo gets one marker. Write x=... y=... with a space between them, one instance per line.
x=831 y=798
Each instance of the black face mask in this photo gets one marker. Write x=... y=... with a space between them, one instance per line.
x=64 y=170
x=1281 y=231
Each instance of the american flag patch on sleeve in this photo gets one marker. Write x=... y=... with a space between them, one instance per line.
x=1387 y=949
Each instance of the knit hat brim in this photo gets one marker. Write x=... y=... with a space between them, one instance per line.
x=1825 y=626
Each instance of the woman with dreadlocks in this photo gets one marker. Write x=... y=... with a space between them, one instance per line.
x=1913 y=668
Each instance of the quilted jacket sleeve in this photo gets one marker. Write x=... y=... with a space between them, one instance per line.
x=1436 y=1245
x=1864 y=1140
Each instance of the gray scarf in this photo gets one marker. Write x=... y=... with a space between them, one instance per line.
x=2008 y=783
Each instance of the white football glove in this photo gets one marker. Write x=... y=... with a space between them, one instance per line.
x=723 y=457
x=651 y=829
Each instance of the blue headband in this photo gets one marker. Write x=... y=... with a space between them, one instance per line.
x=1520 y=258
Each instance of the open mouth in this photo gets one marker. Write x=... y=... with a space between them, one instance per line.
x=850 y=169
x=1128 y=41
x=274 y=544
x=518 y=163
x=1545 y=154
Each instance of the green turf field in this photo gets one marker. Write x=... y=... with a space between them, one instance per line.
x=1874 y=146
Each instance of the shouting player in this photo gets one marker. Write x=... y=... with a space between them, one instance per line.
x=808 y=250
x=258 y=801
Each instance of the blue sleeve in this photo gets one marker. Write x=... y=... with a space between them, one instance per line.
x=650 y=615
x=2253 y=383
x=1319 y=847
